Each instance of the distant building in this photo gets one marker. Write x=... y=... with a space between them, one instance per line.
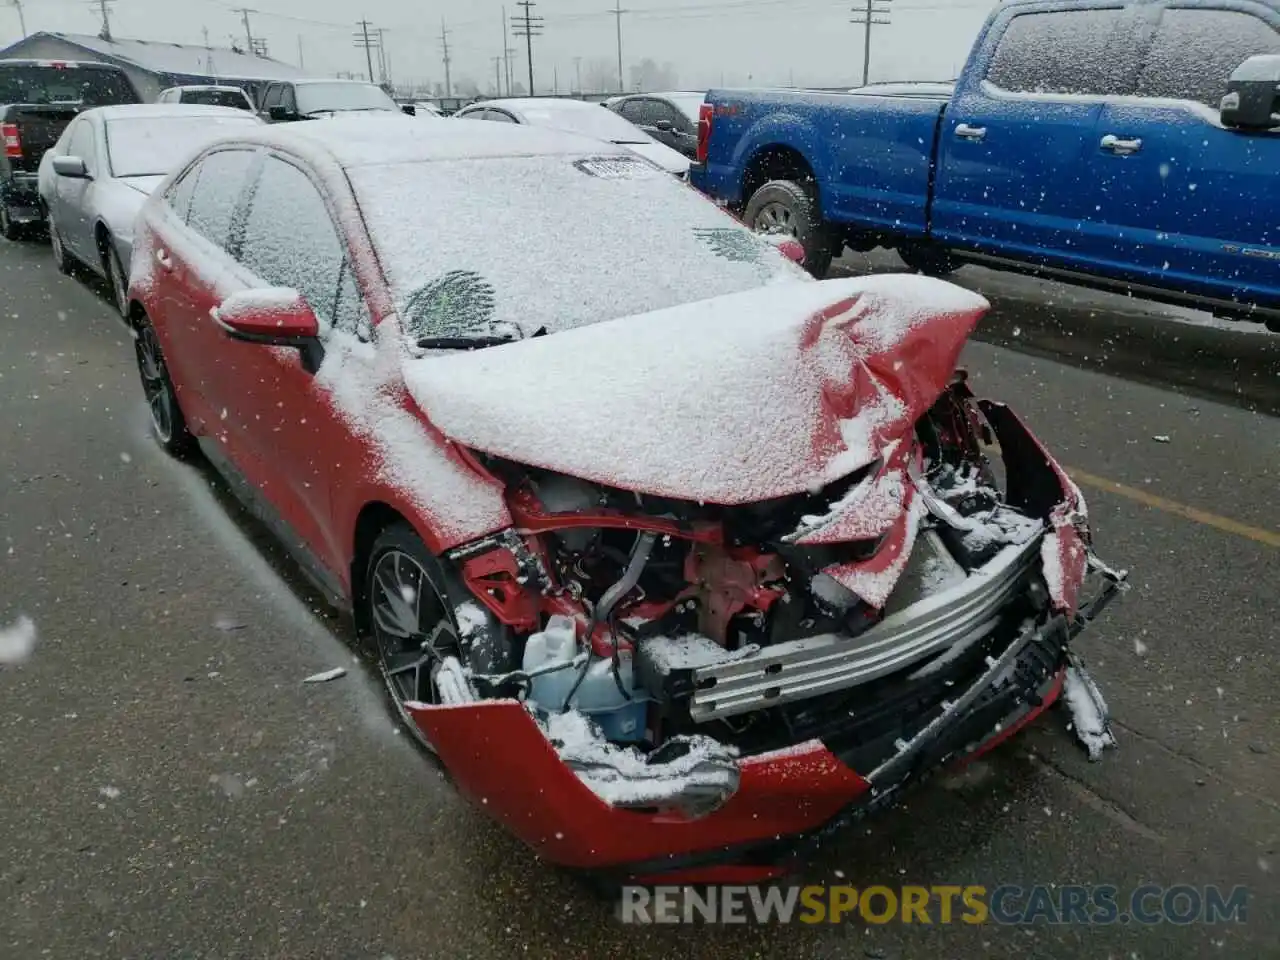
x=154 y=65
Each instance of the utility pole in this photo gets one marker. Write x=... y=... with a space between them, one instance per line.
x=382 y=57
x=555 y=79
x=362 y=39
x=248 y=31
x=444 y=45
x=301 y=63
x=103 y=6
x=497 y=75
x=507 y=51
x=617 y=13
x=22 y=17
x=528 y=26
x=876 y=12
x=577 y=72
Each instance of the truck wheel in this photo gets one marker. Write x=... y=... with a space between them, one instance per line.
x=8 y=229
x=929 y=260
x=784 y=206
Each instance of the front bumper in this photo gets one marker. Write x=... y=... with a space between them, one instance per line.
x=786 y=800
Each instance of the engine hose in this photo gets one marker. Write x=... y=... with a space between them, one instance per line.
x=604 y=609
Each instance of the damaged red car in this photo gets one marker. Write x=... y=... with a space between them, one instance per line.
x=677 y=558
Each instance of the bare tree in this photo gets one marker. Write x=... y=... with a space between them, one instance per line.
x=599 y=75
x=647 y=75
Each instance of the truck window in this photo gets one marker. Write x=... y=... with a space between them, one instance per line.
x=1080 y=52
x=91 y=86
x=1196 y=51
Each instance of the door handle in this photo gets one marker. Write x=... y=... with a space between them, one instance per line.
x=1119 y=145
x=162 y=258
x=966 y=132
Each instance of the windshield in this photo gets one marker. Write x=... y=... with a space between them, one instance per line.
x=154 y=146
x=217 y=98
x=588 y=120
x=319 y=97
x=688 y=103
x=33 y=83
x=583 y=241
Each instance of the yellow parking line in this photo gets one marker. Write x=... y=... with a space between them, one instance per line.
x=1270 y=538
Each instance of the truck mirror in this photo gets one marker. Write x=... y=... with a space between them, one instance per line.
x=1253 y=95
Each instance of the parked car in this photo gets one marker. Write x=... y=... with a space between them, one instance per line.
x=38 y=98
x=577 y=116
x=647 y=627
x=1086 y=140
x=427 y=110
x=291 y=100
x=95 y=179
x=212 y=96
x=670 y=118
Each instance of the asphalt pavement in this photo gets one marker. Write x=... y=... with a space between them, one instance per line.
x=169 y=788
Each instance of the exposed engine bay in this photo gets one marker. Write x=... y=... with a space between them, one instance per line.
x=658 y=639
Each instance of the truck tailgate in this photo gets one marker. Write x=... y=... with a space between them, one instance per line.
x=39 y=127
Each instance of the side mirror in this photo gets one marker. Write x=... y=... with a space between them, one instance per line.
x=72 y=167
x=664 y=126
x=410 y=109
x=277 y=316
x=1253 y=95
x=280 y=113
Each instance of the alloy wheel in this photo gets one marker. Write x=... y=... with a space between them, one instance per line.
x=412 y=626
x=155 y=382
x=776 y=218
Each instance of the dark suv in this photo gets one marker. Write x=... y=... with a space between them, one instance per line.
x=307 y=99
x=38 y=100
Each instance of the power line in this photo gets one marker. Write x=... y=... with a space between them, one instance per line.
x=528 y=26
x=877 y=12
x=362 y=39
x=444 y=45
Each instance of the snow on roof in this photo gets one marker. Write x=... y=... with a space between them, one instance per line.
x=524 y=103
x=157 y=111
x=397 y=138
x=178 y=58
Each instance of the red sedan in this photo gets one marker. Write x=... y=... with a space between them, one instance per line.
x=672 y=554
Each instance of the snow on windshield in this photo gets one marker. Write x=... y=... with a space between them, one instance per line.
x=592 y=121
x=152 y=146
x=318 y=97
x=512 y=244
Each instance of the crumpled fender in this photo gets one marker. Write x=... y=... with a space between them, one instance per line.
x=500 y=758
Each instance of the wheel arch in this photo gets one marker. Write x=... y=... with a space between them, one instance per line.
x=373 y=518
x=778 y=161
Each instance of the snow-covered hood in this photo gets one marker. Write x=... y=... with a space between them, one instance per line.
x=739 y=399
x=672 y=161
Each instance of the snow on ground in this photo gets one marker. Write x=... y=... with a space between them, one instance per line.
x=17 y=640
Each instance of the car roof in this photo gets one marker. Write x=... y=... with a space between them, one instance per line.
x=159 y=111
x=308 y=81
x=205 y=86
x=55 y=62
x=522 y=103
x=396 y=138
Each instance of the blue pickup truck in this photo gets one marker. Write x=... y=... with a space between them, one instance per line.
x=1124 y=144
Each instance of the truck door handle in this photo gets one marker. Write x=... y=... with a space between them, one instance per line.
x=966 y=132
x=1119 y=145
x=162 y=258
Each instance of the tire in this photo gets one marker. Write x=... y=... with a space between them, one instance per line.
x=786 y=206
x=930 y=260
x=167 y=422
x=8 y=229
x=408 y=599
x=61 y=258
x=117 y=279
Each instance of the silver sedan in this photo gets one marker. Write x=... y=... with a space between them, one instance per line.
x=108 y=161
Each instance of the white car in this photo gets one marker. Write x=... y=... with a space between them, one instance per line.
x=209 y=96
x=427 y=110
x=94 y=180
x=577 y=116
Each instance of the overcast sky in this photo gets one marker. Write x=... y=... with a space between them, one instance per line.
x=707 y=42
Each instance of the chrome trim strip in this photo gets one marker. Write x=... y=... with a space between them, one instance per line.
x=824 y=664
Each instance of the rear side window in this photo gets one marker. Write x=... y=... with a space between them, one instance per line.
x=289 y=238
x=90 y=86
x=216 y=98
x=1078 y=52
x=1196 y=51
x=217 y=193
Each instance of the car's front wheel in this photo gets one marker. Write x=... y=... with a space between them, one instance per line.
x=167 y=421
x=61 y=258
x=117 y=278
x=409 y=616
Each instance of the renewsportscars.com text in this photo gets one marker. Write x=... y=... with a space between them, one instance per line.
x=1007 y=904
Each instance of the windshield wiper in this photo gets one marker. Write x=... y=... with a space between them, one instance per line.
x=464 y=343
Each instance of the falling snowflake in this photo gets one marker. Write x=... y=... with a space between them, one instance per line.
x=17 y=641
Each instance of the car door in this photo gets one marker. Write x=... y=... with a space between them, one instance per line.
x=195 y=270
x=1014 y=171
x=280 y=420
x=1192 y=205
x=75 y=226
